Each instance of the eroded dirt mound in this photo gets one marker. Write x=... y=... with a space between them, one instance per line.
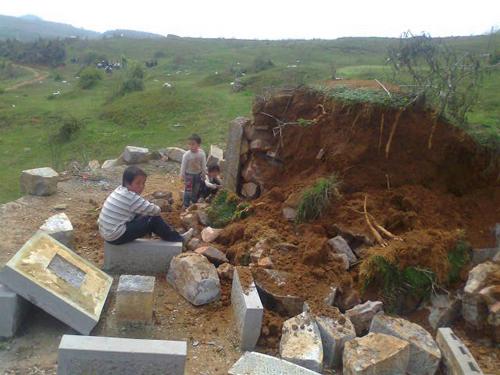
x=425 y=186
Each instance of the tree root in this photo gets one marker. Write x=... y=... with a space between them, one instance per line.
x=391 y=135
x=433 y=130
x=381 y=132
x=375 y=233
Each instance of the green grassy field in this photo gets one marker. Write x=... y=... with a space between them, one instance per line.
x=200 y=99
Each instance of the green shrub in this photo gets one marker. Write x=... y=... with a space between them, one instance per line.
x=89 y=78
x=137 y=72
x=68 y=129
x=316 y=199
x=131 y=85
x=260 y=64
x=458 y=258
x=225 y=208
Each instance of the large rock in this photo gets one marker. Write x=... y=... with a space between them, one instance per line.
x=339 y=245
x=444 y=310
x=271 y=285
x=474 y=307
x=214 y=156
x=174 y=154
x=424 y=352
x=232 y=164
x=376 y=354
x=135 y=155
x=301 y=342
x=210 y=234
x=195 y=278
x=60 y=228
x=39 y=181
x=213 y=254
x=362 y=315
x=335 y=332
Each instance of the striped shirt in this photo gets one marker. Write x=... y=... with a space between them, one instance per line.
x=120 y=207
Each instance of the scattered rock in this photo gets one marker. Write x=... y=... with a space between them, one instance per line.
x=347 y=299
x=260 y=145
x=135 y=155
x=320 y=154
x=210 y=234
x=332 y=295
x=60 y=228
x=289 y=213
x=39 y=181
x=60 y=207
x=195 y=278
x=250 y=190
x=94 y=165
x=361 y=315
x=286 y=247
x=444 y=310
x=340 y=246
x=110 y=164
x=424 y=352
x=193 y=244
x=164 y=204
x=189 y=219
x=203 y=218
x=214 y=156
x=483 y=255
x=225 y=271
x=334 y=334
x=265 y=262
x=213 y=254
x=301 y=342
x=174 y=154
x=343 y=259
x=256 y=252
x=270 y=285
x=376 y=354
x=163 y=195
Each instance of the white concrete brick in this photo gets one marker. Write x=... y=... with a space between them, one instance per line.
x=60 y=228
x=83 y=355
x=135 y=298
x=145 y=257
x=248 y=310
x=253 y=363
x=457 y=358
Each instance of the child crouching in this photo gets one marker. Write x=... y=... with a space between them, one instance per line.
x=126 y=216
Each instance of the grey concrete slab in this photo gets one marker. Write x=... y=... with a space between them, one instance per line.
x=247 y=308
x=84 y=355
x=13 y=310
x=63 y=284
x=60 y=228
x=135 y=298
x=145 y=257
x=252 y=363
x=457 y=358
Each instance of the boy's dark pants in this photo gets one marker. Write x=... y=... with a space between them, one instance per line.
x=144 y=225
x=192 y=184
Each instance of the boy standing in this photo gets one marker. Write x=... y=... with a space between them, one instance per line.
x=193 y=170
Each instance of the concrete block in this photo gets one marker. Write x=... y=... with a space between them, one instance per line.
x=134 y=298
x=334 y=334
x=39 y=181
x=145 y=257
x=457 y=358
x=247 y=308
x=13 y=309
x=253 y=363
x=84 y=355
x=135 y=155
x=60 y=228
x=52 y=277
x=214 y=156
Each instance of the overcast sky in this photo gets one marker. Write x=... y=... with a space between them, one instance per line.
x=269 y=19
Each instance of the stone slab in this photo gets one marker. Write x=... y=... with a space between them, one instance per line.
x=334 y=334
x=135 y=298
x=232 y=164
x=84 y=355
x=144 y=257
x=39 y=181
x=252 y=363
x=247 y=308
x=214 y=156
x=60 y=228
x=13 y=310
x=52 y=277
x=457 y=358
x=483 y=255
x=135 y=155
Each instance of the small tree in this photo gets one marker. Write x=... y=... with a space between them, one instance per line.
x=441 y=77
x=89 y=78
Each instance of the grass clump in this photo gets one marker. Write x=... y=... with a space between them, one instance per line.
x=316 y=199
x=89 y=78
x=458 y=258
x=225 y=208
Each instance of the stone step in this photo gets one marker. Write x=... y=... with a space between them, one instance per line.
x=144 y=257
x=82 y=355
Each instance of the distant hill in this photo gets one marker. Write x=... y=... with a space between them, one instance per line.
x=31 y=27
x=131 y=34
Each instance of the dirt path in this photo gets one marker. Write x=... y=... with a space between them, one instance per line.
x=37 y=77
